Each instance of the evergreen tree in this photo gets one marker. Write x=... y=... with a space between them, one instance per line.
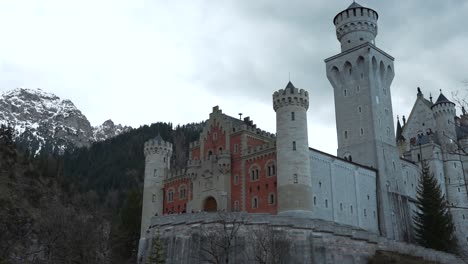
x=157 y=250
x=434 y=227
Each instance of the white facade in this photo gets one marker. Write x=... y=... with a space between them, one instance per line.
x=343 y=192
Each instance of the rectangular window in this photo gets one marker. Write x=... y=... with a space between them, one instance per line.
x=235 y=148
x=154 y=198
x=236 y=206
x=292 y=116
x=296 y=180
x=236 y=179
x=155 y=173
x=294 y=145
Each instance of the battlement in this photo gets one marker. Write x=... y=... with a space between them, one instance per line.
x=355 y=19
x=176 y=174
x=259 y=149
x=290 y=96
x=255 y=130
x=443 y=109
x=157 y=145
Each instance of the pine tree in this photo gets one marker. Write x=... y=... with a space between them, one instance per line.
x=157 y=250
x=434 y=227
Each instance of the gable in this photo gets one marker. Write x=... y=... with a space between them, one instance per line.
x=421 y=120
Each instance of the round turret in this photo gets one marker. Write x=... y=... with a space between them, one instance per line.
x=444 y=114
x=355 y=25
x=292 y=149
x=290 y=96
x=158 y=154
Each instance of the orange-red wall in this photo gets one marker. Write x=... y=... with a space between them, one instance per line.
x=177 y=205
x=262 y=187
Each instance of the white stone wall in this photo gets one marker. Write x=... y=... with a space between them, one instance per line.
x=157 y=162
x=343 y=192
x=293 y=167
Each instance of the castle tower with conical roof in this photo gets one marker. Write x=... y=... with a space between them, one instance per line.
x=292 y=145
x=455 y=184
x=361 y=76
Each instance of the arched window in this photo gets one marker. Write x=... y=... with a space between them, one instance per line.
x=271 y=198
x=236 y=206
x=254 y=173
x=270 y=168
x=346 y=134
x=293 y=117
x=315 y=200
x=255 y=202
x=294 y=145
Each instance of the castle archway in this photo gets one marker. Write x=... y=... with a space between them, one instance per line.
x=210 y=204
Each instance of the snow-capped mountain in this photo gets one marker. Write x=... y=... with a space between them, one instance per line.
x=43 y=120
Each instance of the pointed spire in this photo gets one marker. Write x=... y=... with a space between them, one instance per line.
x=442 y=99
x=354 y=5
x=399 y=131
x=290 y=85
x=404 y=120
x=158 y=137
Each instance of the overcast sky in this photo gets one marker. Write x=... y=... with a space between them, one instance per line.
x=142 y=61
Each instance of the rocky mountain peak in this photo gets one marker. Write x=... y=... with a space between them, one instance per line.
x=42 y=119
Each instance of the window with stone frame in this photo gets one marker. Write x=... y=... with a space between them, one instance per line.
x=271 y=168
x=271 y=198
x=254 y=173
x=170 y=195
x=182 y=192
x=255 y=202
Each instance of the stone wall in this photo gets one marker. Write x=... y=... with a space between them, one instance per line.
x=309 y=240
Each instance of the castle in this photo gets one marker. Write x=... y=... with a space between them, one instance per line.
x=370 y=184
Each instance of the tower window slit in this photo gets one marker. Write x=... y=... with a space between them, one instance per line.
x=292 y=116
x=294 y=145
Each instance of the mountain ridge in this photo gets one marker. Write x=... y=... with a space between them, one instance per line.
x=44 y=120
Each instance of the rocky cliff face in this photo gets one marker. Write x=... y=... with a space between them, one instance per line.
x=43 y=121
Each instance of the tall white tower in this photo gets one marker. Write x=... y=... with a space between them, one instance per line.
x=292 y=146
x=361 y=76
x=158 y=153
x=455 y=184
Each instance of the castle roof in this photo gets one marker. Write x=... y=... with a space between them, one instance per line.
x=159 y=138
x=354 y=5
x=442 y=99
x=290 y=85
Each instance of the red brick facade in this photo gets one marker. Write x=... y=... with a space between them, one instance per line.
x=252 y=167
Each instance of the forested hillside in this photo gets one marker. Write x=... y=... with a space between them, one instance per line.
x=80 y=207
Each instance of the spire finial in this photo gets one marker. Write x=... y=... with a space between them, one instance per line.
x=289 y=76
x=430 y=97
x=398 y=117
x=440 y=90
